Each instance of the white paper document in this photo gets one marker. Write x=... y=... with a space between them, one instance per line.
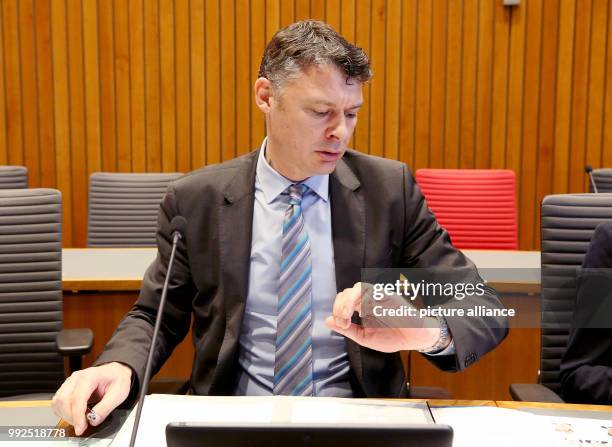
x=501 y=427
x=160 y=410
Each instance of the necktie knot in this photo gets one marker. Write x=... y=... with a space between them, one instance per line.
x=296 y=192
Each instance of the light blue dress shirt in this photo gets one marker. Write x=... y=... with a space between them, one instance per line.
x=258 y=330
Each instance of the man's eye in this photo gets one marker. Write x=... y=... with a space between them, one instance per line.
x=351 y=115
x=320 y=113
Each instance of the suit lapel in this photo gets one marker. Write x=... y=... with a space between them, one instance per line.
x=235 y=234
x=348 y=232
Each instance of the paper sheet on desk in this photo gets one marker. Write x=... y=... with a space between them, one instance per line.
x=159 y=410
x=486 y=426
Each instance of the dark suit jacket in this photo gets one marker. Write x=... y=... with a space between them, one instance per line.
x=586 y=367
x=379 y=219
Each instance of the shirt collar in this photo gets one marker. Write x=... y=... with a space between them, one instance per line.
x=273 y=184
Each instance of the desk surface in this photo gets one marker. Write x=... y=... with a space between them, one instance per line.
x=431 y=402
x=35 y=417
x=105 y=268
x=123 y=268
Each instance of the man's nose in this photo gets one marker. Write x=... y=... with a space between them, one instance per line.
x=339 y=130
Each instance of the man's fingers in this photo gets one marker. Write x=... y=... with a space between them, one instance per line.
x=337 y=310
x=61 y=400
x=347 y=302
x=352 y=331
x=115 y=394
x=353 y=301
x=84 y=388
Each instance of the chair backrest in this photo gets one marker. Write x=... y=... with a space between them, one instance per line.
x=603 y=180
x=476 y=206
x=13 y=177
x=123 y=208
x=30 y=291
x=568 y=222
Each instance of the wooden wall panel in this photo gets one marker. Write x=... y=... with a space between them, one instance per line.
x=606 y=159
x=452 y=118
x=499 y=90
x=407 y=83
x=363 y=16
x=228 y=79
x=45 y=95
x=546 y=112
x=28 y=79
x=198 y=82
x=596 y=82
x=3 y=125
x=13 y=82
x=168 y=84
x=164 y=85
x=563 y=98
x=392 y=81
x=257 y=45
x=529 y=135
x=3 y=133
x=123 y=112
x=469 y=41
x=378 y=44
x=137 y=120
x=61 y=113
x=183 y=85
x=579 y=100
x=484 y=100
x=78 y=156
x=422 y=102
x=437 y=112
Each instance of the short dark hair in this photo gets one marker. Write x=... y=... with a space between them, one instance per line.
x=310 y=43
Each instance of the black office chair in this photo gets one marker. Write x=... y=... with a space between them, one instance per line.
x=568 y=222
x=123 y=208
x=32 y=341
x=603 y=180
x=13 y=177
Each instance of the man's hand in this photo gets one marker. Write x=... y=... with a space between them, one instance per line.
x=416 y=333
x=109 y=382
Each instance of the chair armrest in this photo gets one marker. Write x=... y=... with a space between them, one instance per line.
x=533 y=392
x=74 y=342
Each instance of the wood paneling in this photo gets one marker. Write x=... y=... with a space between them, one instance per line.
x=102 y=312
x=166 y=85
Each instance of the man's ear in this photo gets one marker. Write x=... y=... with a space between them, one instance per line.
x=263 y=94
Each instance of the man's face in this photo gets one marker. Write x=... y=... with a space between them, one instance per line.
x=310 y=121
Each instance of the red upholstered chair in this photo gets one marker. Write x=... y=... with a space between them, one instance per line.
x=476 y=206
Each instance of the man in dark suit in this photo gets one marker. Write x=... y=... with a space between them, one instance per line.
x=586 y=367
x=272 y=237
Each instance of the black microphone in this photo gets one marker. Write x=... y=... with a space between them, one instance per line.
x=178 y=225
x=589 y=170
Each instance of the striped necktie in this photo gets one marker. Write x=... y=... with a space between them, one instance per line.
x=293 y=365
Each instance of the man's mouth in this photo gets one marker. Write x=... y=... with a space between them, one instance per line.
x=329 y=155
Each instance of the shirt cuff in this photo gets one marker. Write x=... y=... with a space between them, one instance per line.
x=449 y=350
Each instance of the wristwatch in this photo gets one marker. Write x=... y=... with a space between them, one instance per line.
x=443 y=340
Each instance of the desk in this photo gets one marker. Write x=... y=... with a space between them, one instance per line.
x=101 y=284
x=105 y=268
x=36 y=418
x=123 y=268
